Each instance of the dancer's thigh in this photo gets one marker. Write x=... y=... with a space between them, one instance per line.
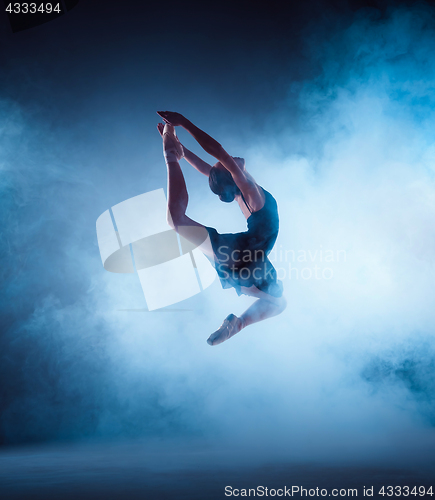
x=196 y=234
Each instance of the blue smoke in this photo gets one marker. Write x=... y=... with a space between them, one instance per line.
x=349 y=156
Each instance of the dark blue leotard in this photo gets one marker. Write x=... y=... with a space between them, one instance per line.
x=241 y=258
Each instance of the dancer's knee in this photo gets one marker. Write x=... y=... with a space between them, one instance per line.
x=170 y=220
x=175 y=217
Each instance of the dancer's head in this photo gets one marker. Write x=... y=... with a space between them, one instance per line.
x=222 y=184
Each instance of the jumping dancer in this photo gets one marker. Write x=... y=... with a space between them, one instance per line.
x=240 y=259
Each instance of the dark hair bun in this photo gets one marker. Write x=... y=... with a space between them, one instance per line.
x=222 y=184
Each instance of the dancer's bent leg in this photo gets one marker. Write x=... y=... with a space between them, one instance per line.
x=263 y=309
x=266 y=306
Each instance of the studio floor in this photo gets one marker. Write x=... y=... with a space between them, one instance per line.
x=161 y=471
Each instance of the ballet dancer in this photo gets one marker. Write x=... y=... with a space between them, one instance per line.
x=240 y=259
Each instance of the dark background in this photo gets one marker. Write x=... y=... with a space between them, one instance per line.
x=76 y=94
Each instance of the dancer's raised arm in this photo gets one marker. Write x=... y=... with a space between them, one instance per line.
x=190 y=157
x=208 y=144
x=196 y=162
x=244 y=182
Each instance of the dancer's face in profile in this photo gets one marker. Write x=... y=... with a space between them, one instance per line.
x=222 y=184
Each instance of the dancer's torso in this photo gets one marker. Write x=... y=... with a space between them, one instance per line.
x=263 y=226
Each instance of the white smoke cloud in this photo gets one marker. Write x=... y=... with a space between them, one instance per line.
x=353 y=176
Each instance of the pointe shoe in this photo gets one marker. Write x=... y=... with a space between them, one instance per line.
x=230 y=327
x=171 y=144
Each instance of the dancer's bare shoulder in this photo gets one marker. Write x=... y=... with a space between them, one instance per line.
x=251 y=191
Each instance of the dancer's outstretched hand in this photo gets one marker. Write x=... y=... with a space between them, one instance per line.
x=171 y=117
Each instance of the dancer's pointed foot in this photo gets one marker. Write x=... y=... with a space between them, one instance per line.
x=231 y=325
